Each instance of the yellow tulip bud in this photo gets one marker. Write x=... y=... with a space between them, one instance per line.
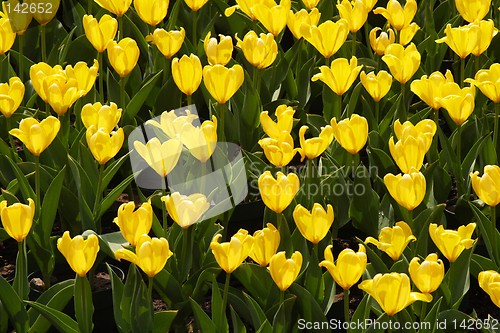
x=340 y=75
x=259 y=51
x=186 y=210
x=85 y=76
x=407 y=33
x=376 y=85
x=487 y=187
x=195 y=5
x=284 y=123
x=167 y=42
x=100 y=33
x=222 y=82
x=246 y=6
x=201 y=141
x=489 y=281
x=351 y=133
x=133 y=224
x=279 y=151
x=39 y=72
x=151 y=254
x=171 y=124
x=302 y=17
x=230 y=255
x=403 y=62
x=19 y=21
x=380 y=43
x=458 y=102
x=392 y=291
x=424 y=129
x=408 y=153
x=310 y=4
x=313 y=225
x=473 y=10
x=328 y=37
x=104 y=146
x=398 y=17
x=451 y=243
x=7 y=35
x=408 y=190
x=11 y=96
x=60 y=94
x=354 y=13
x=284 y=271
x=487 y=32
x=488 y=81
x=428 y=275
x=218 y=53
x=278 y=193
x=37 y=136
x=162 y=157
x=349 y=268
x=429 y=89
x=48 y=13
x=187 y=73
x=104 y=117
x=117 y=7
x=462 y=40
x=17 y=218
x=314 y=147
x=393 y=240
x=123 y=56
x=265 y=245
x=79 y=253
x=273 y=18
x=151 y=11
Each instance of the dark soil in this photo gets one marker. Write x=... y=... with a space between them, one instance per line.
x=8 y=253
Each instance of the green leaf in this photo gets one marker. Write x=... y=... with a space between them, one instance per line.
x=84 y=308
x=138 y=100
x=431 y=317
x=282 y=318
x=218 y=313
x=117 y=289
x=58 y=319
x=114 y=194
x=421 y=224
x=489 y=233
x=130 y=289
x=365 y=203
x=314 y=279
x=14 y=307
x=238 y=325
x=112 y=169
x=163 y=320
x=362 y=311
x=458 y=278
x=50 y=204
x=480 y=263
x=203 y=321
x=111 y=242
x=256 y=280
x=310 y=310
x=25 y=187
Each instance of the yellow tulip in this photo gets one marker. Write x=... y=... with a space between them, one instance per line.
x=17 y=218
x=259 y=51
x=218 y=53
x=168 y=42
x=195 y=5
x=273 y=18
x=278 y=193
x=48 y=13
x=487 y=32
x=302 y=17
x=222 y=82
x=201 y=141
x=376 y=85
x=458 y=102
x=19 y=21
x=407 y=33
x=100 y=33
x=246 y=6
x=39 y=72
x=310 y=4
x=429 y=89
x=487 y=187
x=380 y=43
x=171 y=124
x=104 y=117
x=428 y=275
x=340 y=75
x=85 y=76
x=392 y=291
x=284 y=271
x=11 y=96
x=187 y=73
x=489 y=281
x=280 y=150
x=79 y=253
x=7 y=35
x=151 y=11
x=488 y=81
x=313 y=225
x=60 y=94
x=408 y=190
x=123 y=56
x=328 y=37
x=351 y=133
x=117 y=7
x=186 y=210
x=313 y=147
x=355 y=13
x=473 y=10
x=370 y=4
x=162 y=157
x=398 y=17
x=349 y=267
x=104 y=146
x=451 y=243
x=230 y=255
x=133 y=224
x=265 y=244
x=393 y=241
x=151 y=254
x=37 y=136
x=408 y=153
x=424 y=129
x=402 y=62
x=462 y=40
x=284 y=123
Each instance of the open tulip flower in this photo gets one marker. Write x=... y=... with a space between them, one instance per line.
x=351 y=133
x=354 y=12
x=265 y=244
x=11 y=96
x=473 y=10
x=246 y=6
x=314 y=224
x=278 y=193
x=162 y=157
x=186 y=210
x=407 y=33
x=487 y=32
x=85 y=76
x=101 y=116
x=284 y=271
x=80 y=253
x=171 y=124
x=61 y=94
x=201 y=141
x=462 y=40
x=349 y=267
x=218 y=52
x=487 y=187
x=260 y=51
x=302 y=17
x=35 y=135
x=429 y=88
x=273 y=18
x=222 y=82
x=17 y=218
x=458 y=102
x=279 y=151
x=392 y=291
x=123 y=56
x=328 y=37
x=151 y=11
x=230 y=255
x=151 y=254
x=283 y=123
x=340 y=75
x=380 y=43
x=488 y=81
x=100 y=33
x=167 y=42
x=424 y=129
x=451 y=243
x=428 y=275
x=409 y=152
x=398 y=16
x=489 y=281
x=393 y=240
x=117 y=7
x=104 y=146
x=408 y=190
x=314 y=147
x=403 y=62
x=133 y=224
x=376 y=85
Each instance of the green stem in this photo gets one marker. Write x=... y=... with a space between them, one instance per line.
x=377 y=112
x=21 y=57
x=195 y=22
x=83 y=310
x=462 y=72
x=327 y=62
x=338 y=116
x=221 y=109
x=164 y=214
x=403 y=98
x=309 y=178
x=257 y=79
x=21 y=284
x=347 y=316
x=366 y=28
x=493 y=215
x=101 y=78
x=150 y=286
x=282 y=296
x=89 y=7
x=226 y=291
x=459 y=144
x=186 y=266
x=11 y=138
x=98 y=196
x=476 y=63
x=495 y=125
x=43 y=36
x=189 y=99
x=353 y=45
x=37 y=186
x=120 y=27
x=166 y=73
x=423 y=311
x=122 y=95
